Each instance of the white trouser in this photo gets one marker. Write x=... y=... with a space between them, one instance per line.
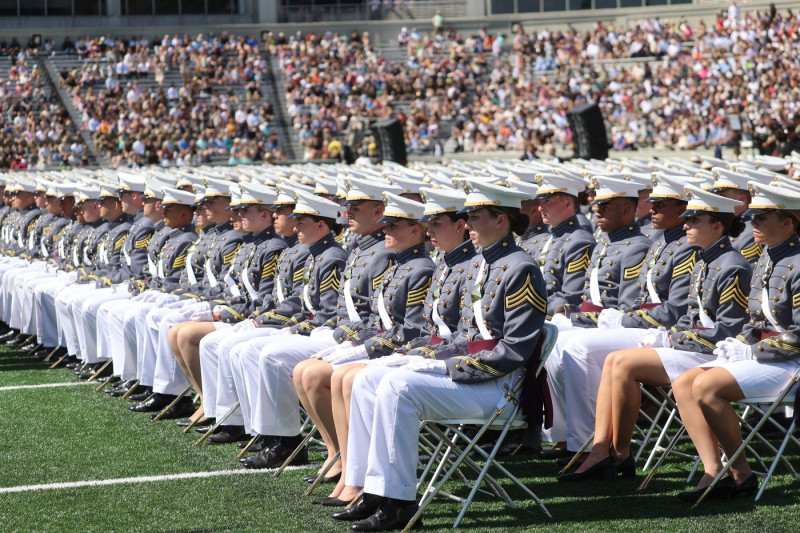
x=386 y=408
x=582 y=366
x=168 y=376
x=120 y=334
x=275 y=405
x=145 y=344
x=66 y=319
x=88 y=336
x=16 y=283
x=6 y=268
x=216 y=371
x=47 y=331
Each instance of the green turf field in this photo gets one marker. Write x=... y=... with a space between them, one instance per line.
x=72 y=434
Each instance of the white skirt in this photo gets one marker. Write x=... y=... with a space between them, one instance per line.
x=758 y=380
x=676 y=362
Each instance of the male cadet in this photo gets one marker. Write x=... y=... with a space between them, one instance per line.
x=168 y=258
x=311 y=302
x=118 y=225
x=248 y=284
x=362 y=277
x=734 y=185
x=565 y=256
x=664 y=286
x=275 y=279
x=19 y=226
x=537 y=232
x=224 y=247
x=610 y=282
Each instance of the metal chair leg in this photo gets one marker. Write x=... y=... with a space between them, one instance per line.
x=219 y=422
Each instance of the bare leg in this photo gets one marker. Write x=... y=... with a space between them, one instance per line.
x=714 y=391
x=692 y=416
x=189 y=335
x=631 y=367
x=601 y=447
x=305 y=376
x=341 y=388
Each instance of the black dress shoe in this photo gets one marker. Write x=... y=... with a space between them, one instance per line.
x=330 y=502
x=555 y=453
x=109 y=379
x=257 y=446
x=627 y=468
x=74 y=363
x=157 y=403
x=605 y=470
x=184 y=407
x=748 y=486
x=274 y=457
x=326 y=480
x=143 y=394
x=227 y=434
x=723 y=490
x=393 y=514
x=365 y=507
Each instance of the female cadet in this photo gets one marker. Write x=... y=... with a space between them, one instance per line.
x=447 y=233
x=760 y=361
x=717 y=309
x=502 y=316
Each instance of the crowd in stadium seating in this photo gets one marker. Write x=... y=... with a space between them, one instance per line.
x=213 y=112
x=35 y=129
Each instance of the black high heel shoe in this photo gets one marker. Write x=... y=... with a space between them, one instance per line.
x=604 y=470
x=723 y=490
x=627 y=468
x=748 y=486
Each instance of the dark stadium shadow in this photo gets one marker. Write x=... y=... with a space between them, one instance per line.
x=12 y=361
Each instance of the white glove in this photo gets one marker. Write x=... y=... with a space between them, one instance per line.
x=141 y=297
x=202 y=316
x=610 y=319
x=199 y=307
x=175 y=305
x=284 y=331
x=394 y=360
x=327 y=351
x=346 y=355
x=431 y=366
x=731 y=350
x=319 y=331
x=244 y=325
x=655 y=338
x=561 y=321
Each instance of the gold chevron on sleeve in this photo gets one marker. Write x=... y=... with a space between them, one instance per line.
x=142 y=243
x=472 y=361
x=120 y=240
x=377 y=281
x=331 y=281
x=236 y=314
x=796 y=300
x=734 y=292
x=269 y=268
x=582 y=263
x=179 y=262
x=227 y=258
x=528 y=294
x=633 y=272
x=686 y=266
x=752 y=251
x=417 y=296
x=298 y=275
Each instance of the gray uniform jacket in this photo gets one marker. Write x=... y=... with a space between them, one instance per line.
x=109 y=251
x=402 y=296
x=778 y=273
x=746 y=244
x=720 y=285
x=47 y=246
x=161 y=233
x=195 y=257
x=284 y=298
x=618 y=259
x=534 y=238
x=33 y=243
x=171 y=261
x=220 y=254
x=507 y=287
x=322 y=273
x=565 y=263
x=134 y=250
x=668 y=269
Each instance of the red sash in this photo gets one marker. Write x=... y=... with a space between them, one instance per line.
x=474 y=347
x=589 y=307
x=648 y=306
x=767 y=333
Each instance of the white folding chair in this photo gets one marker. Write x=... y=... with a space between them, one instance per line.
x=504 y=418
x=754 y=404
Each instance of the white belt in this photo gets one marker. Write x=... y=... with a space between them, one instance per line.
x=307 y=299
x=279 y=287
x=104 y=252
x=386 y=320
x=543 y=256
x=189 y=269
x=20 y=242
x=352 y=314
x=151 y=266
x=231 y=283
x=212 y=279
x=247 y=285
x=441 y=327
x=765 y=306
x=594 y=285
x=477 y=309
x=161 y=267
x=45 y=253
x=75 y=260
x=127 y=256
x=651 y=288
x=31 y=240
x=705 y=320
x=86 y=260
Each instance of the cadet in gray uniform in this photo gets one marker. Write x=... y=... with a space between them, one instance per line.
x=503 y=311
x=718 y=311
x=761 y=360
